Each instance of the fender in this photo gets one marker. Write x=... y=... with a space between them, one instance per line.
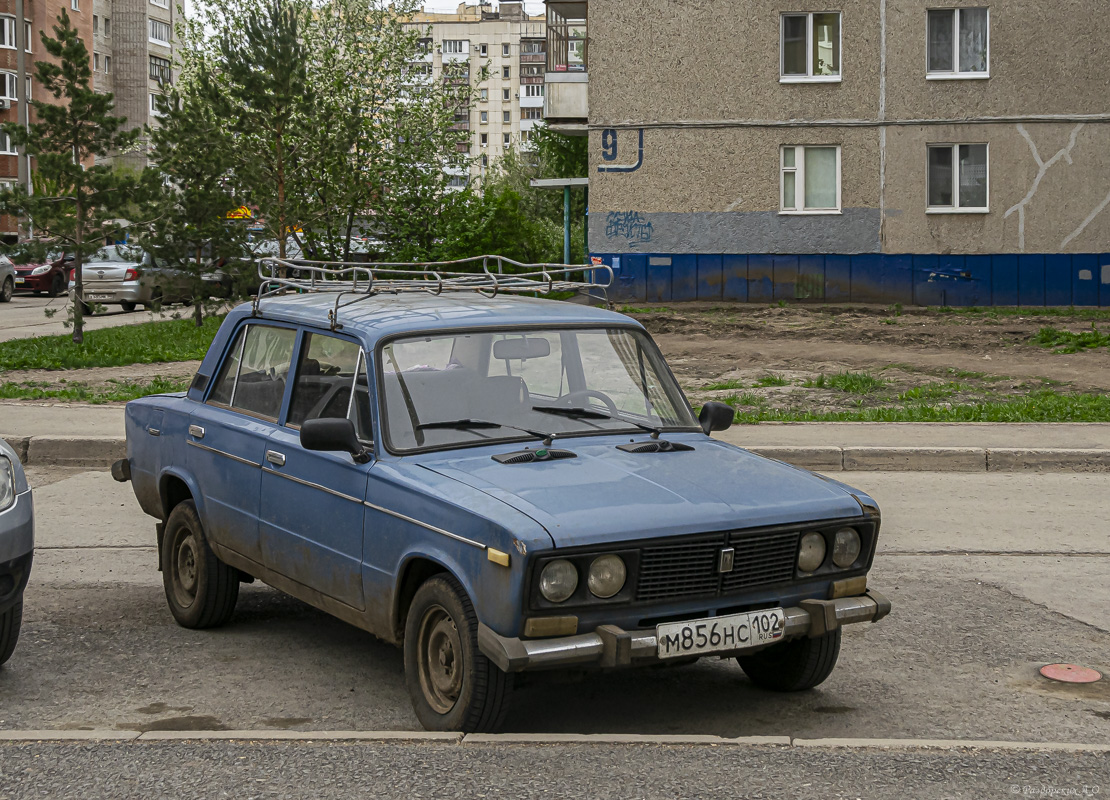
x=190 y=482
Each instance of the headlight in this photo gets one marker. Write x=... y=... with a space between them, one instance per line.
x=45 y=268
x=7 y=483
x=811 y=554
x=558 y=580
x=845 y=547
x=607 y=575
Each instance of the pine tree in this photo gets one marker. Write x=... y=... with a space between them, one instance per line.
x=76 y=206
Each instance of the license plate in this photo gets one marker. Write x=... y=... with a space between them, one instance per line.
x=18 y=281
x=98 y=297
x=719 y=634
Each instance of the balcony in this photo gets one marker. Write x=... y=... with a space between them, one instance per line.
x=566 y=80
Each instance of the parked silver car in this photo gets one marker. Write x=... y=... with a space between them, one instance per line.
x=7 y=279
x=17 y=544
x=128 y=277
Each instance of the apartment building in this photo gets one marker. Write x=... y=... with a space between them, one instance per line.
x=133 y=59
x=510 y=45
x=938 y=152
x=21 y=22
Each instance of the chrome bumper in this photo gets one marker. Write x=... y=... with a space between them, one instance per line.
x=609 y=646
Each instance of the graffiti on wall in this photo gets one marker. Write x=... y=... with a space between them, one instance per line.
x=609 y=152
x=628 y=225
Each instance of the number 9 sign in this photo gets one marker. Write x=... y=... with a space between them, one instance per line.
x=609 y=152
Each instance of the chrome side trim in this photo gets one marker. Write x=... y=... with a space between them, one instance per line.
x=309 y=484
x=399 y=515
x=246 y=461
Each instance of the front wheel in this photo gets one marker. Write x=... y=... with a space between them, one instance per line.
x=201 y=590
x=57 y=286
x=795 y=665
x=453 y=686
x=10 y=623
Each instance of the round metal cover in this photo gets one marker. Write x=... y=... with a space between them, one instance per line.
x=1070 y=673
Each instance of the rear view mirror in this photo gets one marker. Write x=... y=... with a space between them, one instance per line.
x=333 y=435
x=716 y=416
x=521 y=348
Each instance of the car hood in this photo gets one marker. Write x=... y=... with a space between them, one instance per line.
x=606 y=494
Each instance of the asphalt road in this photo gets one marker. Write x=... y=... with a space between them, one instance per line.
x=991 y=576
x=26 y=315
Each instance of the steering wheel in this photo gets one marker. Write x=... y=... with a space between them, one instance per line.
x=581 y=395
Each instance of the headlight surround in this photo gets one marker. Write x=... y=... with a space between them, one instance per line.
x=607 y=576
x=7 y=483
x=811 y=553
x=45 y=268
x=846 y=547
x=558 y=580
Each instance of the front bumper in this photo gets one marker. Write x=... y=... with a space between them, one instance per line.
x=25 y=282
x=609 y=646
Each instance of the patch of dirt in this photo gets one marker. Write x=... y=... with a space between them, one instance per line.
x=102 y=377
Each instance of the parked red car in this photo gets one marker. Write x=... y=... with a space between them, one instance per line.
x=51 y=277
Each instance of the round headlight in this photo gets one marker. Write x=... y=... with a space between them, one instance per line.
x=812 y=552
x=845 y=547
x=607 y=575
x=558 y=580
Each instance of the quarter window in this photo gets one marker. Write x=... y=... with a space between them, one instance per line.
x=958 y=178
x=331 y=384
x=959 y=44
x=254 y=374
x=810 y=181
x=810 y=47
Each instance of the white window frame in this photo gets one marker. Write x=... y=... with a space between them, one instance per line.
x=533 y=90
x=809 y=77
x=955 y=74
x=150 y=31
x=6 y=146
x=27 y=83
x=107 y=64
x=483 y=94
x=483 y=50
x=7 y=32
x=505 y=52
x=75 y=5
x=106 y=25
x=483 y=117
x=506 y=73
x=28 y=36
x=9 y=86
x=483 y=140
x=160 y=3
x=506 y=140
x=456 y=47
x=154 y=112
x=96 y=62
x=506 y=117
x=504 y=95
x=956 y=208
x=799 y=170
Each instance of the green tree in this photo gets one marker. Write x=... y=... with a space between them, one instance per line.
x=77 y=206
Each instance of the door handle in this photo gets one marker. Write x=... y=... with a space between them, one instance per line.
x=154 y=431
x=197 y=431
x=275 y=458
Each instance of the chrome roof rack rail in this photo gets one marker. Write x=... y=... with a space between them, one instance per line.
x=487 y=275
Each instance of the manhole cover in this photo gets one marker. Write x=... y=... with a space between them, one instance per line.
x=1070 y=673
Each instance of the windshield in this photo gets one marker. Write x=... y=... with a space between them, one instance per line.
x=444 y=391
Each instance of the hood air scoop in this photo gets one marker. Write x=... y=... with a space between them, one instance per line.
x=528 y=456
x=654 y=446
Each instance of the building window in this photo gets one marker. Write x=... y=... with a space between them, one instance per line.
x=160 y=3
x=532 y=48
x=107 y=64
x=506 y=140
x=7 y=32
x=96 y=62
x=505 y=73
x=505 y=50
x=159 y=32
x=484 y=116
x=483 y=50
x=810 y=47
x=154 y=110
x=455 y=46
x=533 y=90
x=485 y=160
x=531 y=71
x=531 y=113
x=6 y=146
x=810 y=179
x=505 y=95
x=107 y=26
x=9 y=86
x=457 y=182
x=96 y=24
x=959 y=43
x=483 y=94
x=74 y=5
x=506 y=117
x=27 y=37
x=958 y=178
x=27 y=87
x=160 y=70
x=484 y=139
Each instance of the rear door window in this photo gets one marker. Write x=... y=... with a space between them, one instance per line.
x=255 y=371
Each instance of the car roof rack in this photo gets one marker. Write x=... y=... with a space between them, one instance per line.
x=352 y=282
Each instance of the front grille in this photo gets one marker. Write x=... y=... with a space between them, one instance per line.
x=690 y=569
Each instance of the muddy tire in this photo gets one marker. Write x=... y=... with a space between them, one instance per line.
x=795 y=665
x=6 y=290
x=10 y=622
x=201 y=590
x=453 y=686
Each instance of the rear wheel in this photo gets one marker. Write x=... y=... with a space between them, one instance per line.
x=453 y=686
x=795 y=665
x=201 y=590
x=155 y=303
x=10 y=622
x=127 y=306
x=6 y=290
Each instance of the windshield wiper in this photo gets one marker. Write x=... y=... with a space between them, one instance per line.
x=481 y=424
x=589 y=413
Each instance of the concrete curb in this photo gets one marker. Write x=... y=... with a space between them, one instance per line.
x=98 y=452
x=478 y=739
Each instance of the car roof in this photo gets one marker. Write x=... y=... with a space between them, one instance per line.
x=382 y=315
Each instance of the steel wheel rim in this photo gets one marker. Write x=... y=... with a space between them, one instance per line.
x=440 y=659
x=7 y=289
x=184 y=564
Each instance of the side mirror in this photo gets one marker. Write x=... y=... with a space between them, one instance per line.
x=716 y=416
x=333 y=435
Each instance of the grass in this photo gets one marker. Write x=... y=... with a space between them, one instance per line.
x=1068 y=342
x=645 y=310
x=1042 y=406
x=1067 y=311
x=720 y=385
x=770 y=379
x=115 y=392
x=855 y=382
x=932 y=392
x=144 y=343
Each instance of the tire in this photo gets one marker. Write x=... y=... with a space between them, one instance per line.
x=87 y=310
x=6 y=290
x=156 y=302
x=441 y=633
x=10 y=622
x=200 y=589
x=127 y=306
x=795 y=665
x=57 y=286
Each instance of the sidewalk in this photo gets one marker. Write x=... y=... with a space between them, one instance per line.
x=92 y=436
